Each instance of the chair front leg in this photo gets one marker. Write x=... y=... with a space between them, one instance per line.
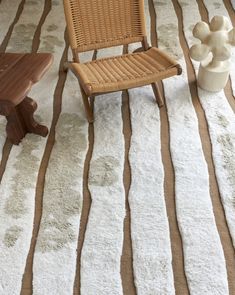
x=157 y=94
x=87 y=106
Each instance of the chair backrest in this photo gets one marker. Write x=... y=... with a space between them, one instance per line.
x=94 y=24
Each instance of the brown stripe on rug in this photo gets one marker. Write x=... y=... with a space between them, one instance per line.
x=86 y=204
x=206 y=143
x=10 y=11
x=181 y=285
x=198 y=229
x=47 y=241
x=9 y=15
x=28 y=273
x=207 y=146
x=104 y=233
x=127 y=252
x=16 y=187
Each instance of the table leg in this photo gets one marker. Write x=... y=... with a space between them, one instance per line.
x=26 y=109
x=15 y=129
x=20 y=121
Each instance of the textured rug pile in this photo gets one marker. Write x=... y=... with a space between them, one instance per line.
x=142 y=201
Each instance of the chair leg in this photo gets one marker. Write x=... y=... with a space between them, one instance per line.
x=157 y=94
x=88 y=109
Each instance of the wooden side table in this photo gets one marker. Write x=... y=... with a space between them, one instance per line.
x=18 y=72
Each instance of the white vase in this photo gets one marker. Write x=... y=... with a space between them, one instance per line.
x=213 y=75
x=214 y=52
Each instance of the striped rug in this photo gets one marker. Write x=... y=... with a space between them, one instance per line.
x=142 y=201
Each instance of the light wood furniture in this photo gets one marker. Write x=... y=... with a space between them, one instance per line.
x=95 y=24
x=18 y=72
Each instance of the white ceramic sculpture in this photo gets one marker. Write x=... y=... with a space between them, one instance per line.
x=214 y=52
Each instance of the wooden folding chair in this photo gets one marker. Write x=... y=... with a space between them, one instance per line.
x=95 y=24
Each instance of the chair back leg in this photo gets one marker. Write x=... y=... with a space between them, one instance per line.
x=157 y=94
x=87 y=106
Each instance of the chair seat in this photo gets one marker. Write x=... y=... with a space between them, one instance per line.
x=126 y=71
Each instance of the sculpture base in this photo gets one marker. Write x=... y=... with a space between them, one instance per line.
x=213 y=76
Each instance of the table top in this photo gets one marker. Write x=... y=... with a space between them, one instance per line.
x=18 y=72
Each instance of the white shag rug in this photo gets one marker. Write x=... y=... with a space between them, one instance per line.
x=55 y=255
